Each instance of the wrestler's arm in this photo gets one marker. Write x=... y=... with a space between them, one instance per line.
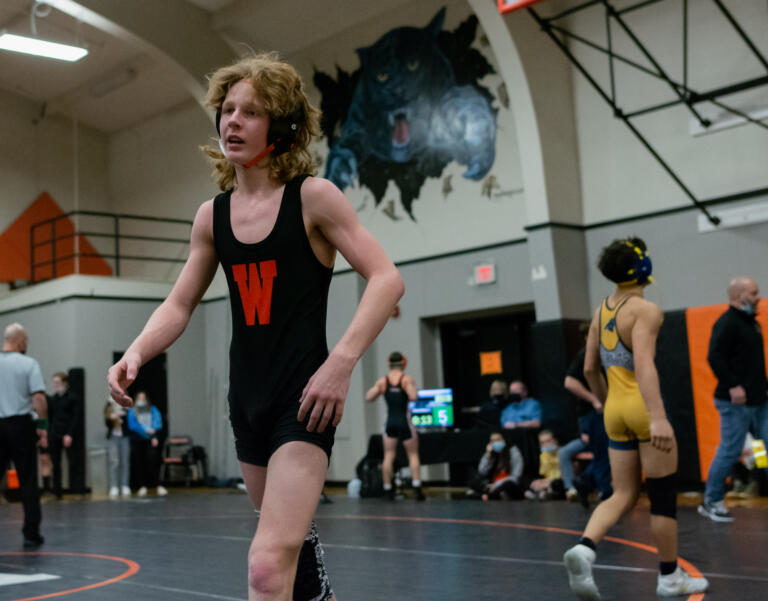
x=327 y=209
x=592 y=364
x=648 y=318
x=170 y=319
x=410 y=388
x=375 y=391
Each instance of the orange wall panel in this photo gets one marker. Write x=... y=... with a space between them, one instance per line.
x=15 y=260
x=699 y=321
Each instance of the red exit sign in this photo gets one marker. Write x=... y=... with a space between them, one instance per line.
x=507 y=6
x=485 y=274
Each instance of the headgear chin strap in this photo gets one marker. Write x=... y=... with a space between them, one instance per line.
x=640 y=273
x=280 y=136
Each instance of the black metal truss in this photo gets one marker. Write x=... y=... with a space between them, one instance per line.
x=684 y=94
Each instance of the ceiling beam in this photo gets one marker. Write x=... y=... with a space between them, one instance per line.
x=173 y=32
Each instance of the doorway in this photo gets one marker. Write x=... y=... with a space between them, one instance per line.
x=478 y=350
x=152 y=379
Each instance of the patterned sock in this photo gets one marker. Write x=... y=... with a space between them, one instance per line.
x=312 y=583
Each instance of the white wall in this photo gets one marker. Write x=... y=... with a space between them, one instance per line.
x=466 y=218
x=156 y=168
x=618 y=175
x=43 y=157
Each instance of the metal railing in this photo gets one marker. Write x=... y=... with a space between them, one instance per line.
x=116 y=234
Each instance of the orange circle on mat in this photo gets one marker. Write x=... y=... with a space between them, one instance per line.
x=133 y=567
x=686 y=565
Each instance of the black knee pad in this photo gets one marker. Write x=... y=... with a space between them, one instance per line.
x=312 y=583
x=663 y=495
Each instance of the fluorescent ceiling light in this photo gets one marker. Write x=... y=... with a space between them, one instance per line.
x=63 y=52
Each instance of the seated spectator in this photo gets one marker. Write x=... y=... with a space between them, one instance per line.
x=490 y=411
x=550 y=485
x=499 y=472
x=522 y=411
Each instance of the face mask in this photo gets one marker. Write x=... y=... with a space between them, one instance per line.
x=515 y=398
x=59 y=389
x=498 y=445
x=549 y=448
x=749 y=308
x=141 y=403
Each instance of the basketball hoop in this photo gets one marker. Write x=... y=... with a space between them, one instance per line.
x=507 y=6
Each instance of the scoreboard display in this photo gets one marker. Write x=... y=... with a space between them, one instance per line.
x=432 y=409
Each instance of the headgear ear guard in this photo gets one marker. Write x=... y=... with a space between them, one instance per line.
x=640 y=272
x=281 y=134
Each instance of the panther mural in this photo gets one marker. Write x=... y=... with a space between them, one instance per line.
x=412 y=107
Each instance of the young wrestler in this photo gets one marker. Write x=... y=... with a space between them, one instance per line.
x=622 y=340
x=275 y=230
x=398 y=389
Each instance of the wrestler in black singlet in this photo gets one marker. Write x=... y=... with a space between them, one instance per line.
x=397 y=410
x=278 y=291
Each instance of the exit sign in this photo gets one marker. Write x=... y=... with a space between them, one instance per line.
x=485 y=274
x=507 y=6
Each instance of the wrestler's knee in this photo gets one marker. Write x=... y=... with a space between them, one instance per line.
x=269 y=567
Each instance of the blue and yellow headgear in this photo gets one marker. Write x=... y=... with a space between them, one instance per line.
x=640 y=272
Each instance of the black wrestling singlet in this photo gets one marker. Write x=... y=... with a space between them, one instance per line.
x=397 y=410
x=278 y=291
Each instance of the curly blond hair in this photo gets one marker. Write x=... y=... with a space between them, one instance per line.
x=281 y=89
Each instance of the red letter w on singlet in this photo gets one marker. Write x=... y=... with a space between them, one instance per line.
x=255 y=292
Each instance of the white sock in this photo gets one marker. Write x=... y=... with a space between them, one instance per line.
x=388 y=486
x=417 y=483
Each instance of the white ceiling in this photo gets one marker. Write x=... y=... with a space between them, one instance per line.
x=119 y=83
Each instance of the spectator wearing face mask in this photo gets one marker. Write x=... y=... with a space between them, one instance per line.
x=499 y=472
x=522 y=411
x=550 y=485
x=145 y=424
x=490 y=411
x=737 y=358
x=119 y=450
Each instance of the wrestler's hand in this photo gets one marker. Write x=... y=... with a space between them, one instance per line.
x=662 y=435
x=121 y=375
x=325 y=394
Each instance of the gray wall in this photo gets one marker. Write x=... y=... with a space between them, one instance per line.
x=690 y=268
x=83 y=332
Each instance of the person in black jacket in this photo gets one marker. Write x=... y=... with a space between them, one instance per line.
x=736 y=356
x=65 y=410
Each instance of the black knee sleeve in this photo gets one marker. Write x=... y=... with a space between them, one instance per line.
x=662 y=493
x=312 y=583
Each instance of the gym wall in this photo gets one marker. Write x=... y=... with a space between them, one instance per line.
x=619 y=177
x=155 y=168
